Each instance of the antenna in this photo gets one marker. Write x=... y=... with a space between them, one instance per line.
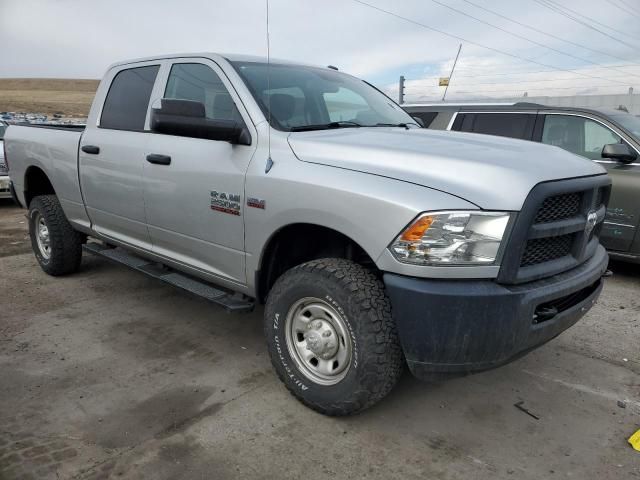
x=451 y=74
x=269 y=160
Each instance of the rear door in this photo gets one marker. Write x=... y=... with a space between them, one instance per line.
x=504 y=124
x=585 y=136
x=195 y=204
x=112 y=156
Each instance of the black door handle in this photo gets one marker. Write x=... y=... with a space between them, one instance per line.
x=158 y=159
x=92 y=149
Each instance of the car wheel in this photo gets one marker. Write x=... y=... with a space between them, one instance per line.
x=331 y=336
x=57 y=246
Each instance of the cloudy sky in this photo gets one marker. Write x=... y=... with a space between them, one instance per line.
x=571 y=46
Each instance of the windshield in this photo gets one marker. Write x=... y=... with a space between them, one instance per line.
x=3 y=127
x=310 y=98
x=629 y=122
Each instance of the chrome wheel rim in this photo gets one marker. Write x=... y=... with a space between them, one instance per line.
x=42 y=236
x=318 y=341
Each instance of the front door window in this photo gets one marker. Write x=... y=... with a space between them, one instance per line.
x=578 y=135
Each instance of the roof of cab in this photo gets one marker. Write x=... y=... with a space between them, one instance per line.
x=232 y=57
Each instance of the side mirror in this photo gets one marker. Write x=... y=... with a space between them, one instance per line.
x=186 y=118
x=620 y=152
x=419 y=121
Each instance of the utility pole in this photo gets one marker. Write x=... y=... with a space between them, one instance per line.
x=451 y=74
x=401 y=90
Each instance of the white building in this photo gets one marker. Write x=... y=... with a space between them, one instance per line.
x=631 y=101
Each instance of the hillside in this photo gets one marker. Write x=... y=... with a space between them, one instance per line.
x=72 y=97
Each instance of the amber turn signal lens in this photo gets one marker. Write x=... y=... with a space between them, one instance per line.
x=416 y=231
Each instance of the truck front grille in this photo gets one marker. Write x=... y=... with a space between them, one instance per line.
x=3 y=168
x=555 y=230
x=558 y=207
x=541 y=250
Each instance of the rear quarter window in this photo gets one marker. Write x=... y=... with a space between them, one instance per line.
x=426 y=117
x=512 y=125
x=126 y=104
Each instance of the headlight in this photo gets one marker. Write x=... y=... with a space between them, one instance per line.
x=452 y=238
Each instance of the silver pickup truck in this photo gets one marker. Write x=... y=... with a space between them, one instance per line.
x=374 y=243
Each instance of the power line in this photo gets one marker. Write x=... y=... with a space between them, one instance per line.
x=543 y=32
x=626 y=9
x=496 y=50
x=561 y=10
x=590 y=19
x=522 y=37
x=629 y=6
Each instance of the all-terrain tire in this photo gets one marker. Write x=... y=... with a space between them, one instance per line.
x=65 y=243
x=360 y=299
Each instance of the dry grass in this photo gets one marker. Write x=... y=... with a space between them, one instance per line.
x=70 y=97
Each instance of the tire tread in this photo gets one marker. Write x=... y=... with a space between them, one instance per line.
x=384 y=363
x=66 y=243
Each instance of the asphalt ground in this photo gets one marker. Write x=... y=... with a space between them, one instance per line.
x=109 y=374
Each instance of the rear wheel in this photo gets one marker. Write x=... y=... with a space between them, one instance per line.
x=331 y=336
x=57 y=246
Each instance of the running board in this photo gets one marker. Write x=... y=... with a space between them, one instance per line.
x=232 y=302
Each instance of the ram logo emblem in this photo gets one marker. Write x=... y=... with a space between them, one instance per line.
x=592 y=220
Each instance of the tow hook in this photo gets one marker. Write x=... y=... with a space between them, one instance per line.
x=607 y=274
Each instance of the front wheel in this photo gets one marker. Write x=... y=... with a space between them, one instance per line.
x=331 y=336
x=56 y=245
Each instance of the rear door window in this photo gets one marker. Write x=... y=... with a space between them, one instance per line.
x=579 y=135
x=126 y=104
x=512 y=125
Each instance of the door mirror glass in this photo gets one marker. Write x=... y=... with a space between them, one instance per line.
x=187 y=118
x=620 y=152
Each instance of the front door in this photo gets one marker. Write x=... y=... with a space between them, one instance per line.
x=585 y=137
x=194 y=204
x=112 y=156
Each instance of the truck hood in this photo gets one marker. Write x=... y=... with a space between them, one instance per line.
x=495 y=173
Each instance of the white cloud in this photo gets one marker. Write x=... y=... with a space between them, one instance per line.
x=80 y=38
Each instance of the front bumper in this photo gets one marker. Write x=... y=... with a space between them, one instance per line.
x=461 y=326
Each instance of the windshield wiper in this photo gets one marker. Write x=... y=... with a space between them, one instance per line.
x=325 y=126
x=403 y=125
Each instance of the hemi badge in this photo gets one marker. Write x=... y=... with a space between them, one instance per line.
x=256 y=203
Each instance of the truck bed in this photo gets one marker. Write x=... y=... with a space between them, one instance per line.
x=52 y=149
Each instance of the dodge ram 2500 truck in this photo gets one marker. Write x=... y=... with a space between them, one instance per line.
x=373 y=242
